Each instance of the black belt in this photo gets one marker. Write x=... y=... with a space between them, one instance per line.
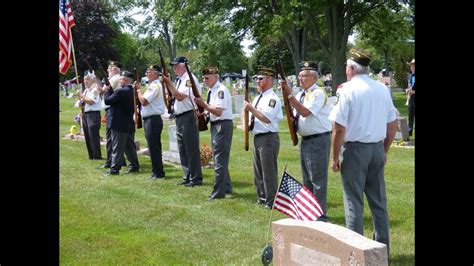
x=145 y=118
x=316 y=135
x=178 y=115
x=263 y=134
x=92 y=112
x=218 y=121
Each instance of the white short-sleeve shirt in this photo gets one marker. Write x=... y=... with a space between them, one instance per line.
x=94 y=95
x=184 y=87
x=270 y=106
x=364 y=108
x=154 y=96
x=317 y=102
x=220 y=97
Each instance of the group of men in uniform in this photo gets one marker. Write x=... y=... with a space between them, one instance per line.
x=360 y=127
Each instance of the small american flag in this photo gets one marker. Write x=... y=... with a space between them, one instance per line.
x=297 y=201
x=66 y=21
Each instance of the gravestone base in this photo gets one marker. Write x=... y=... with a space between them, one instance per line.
x=172 y=155
x=320 y=243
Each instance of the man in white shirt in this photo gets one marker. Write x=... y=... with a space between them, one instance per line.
x=219 y=106
x=311 y=120
x=364 y=126
x=266 y=113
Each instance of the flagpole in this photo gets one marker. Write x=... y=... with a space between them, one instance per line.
x=77 y=77
x=273 y=206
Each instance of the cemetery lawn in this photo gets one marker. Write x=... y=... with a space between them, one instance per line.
x=131 y=220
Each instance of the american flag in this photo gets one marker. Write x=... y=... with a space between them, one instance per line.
x=296 y=201
x=66 y=21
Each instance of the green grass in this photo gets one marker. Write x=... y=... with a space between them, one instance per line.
x=130 y=220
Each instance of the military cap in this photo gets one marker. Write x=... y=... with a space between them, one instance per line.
x=308 y=65
x=359 y=56
x=210 y=70
x=412 y=62
x=152 y=67
x=89 y=74
x=265 y=71
x=127 y=74
x=115 y=64
x=179 y=59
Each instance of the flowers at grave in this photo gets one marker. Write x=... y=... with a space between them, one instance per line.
x=205 y=154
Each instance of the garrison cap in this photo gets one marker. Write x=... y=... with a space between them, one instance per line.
x=115 y=64
x=127 y=74
x=308 y=65
x=210 y=70
x=179 y=59
x=153 y=67
x=360 y=56
x=265 y=71
x=412 y=62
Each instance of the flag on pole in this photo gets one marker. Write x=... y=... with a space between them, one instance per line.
x=296 y=200
x=66 y=21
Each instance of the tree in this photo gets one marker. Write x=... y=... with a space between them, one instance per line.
x=94 y=33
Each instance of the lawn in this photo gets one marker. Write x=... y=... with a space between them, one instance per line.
x=131 y=220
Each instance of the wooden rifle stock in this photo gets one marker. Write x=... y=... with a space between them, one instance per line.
x=106 y=79
x=246 y=113
x=137 y=109
x=202 y=124
x=169 y=103
x=289 y=114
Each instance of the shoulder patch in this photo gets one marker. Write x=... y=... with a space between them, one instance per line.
x=220 y=94
x=188 y=83
x=272 y=103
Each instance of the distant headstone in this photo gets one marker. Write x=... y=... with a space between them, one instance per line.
x=320 y=243
x=238 y=104
x=173 y=154
x=402 y=130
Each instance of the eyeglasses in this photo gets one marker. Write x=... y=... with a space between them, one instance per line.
x=301 y=76
x=260 y=78
x=206 y=78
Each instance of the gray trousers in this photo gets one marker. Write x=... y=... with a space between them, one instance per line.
x=221 y=134
x=187 y=135
x=91 y=133
x=362 y=171
x=108 y=145
x=123 y=142
x=265 y=167
x=153 y=126
x=314 y=154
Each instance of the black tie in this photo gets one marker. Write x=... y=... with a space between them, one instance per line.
x=208 y=96
x=297 y=113
x=252 y=119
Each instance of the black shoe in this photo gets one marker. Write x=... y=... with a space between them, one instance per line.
x=269 y=205
x=130 y=171
x=214 y=197
x=407 y=139
x=193 y=184
x=110 y=173
x=183 y=183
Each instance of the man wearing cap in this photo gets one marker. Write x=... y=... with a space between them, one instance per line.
x=411 y=98
x=311 y=121
x=91 y=121
x=153 y=106
x=364 y=127
x=219 y=105
x=266 y=113
x=186 y=133
x=121 y=124
x=113 y=71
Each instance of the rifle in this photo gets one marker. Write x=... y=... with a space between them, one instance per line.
x=168 y=104
x=137 y=109
x=246 y=113
x=106 y=79
x=202 y=124
x=289 y=114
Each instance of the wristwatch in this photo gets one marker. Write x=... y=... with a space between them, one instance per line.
x=290 y=96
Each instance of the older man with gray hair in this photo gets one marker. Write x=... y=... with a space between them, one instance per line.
x=365 y=122
x=121 y=124
x=311 y=121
